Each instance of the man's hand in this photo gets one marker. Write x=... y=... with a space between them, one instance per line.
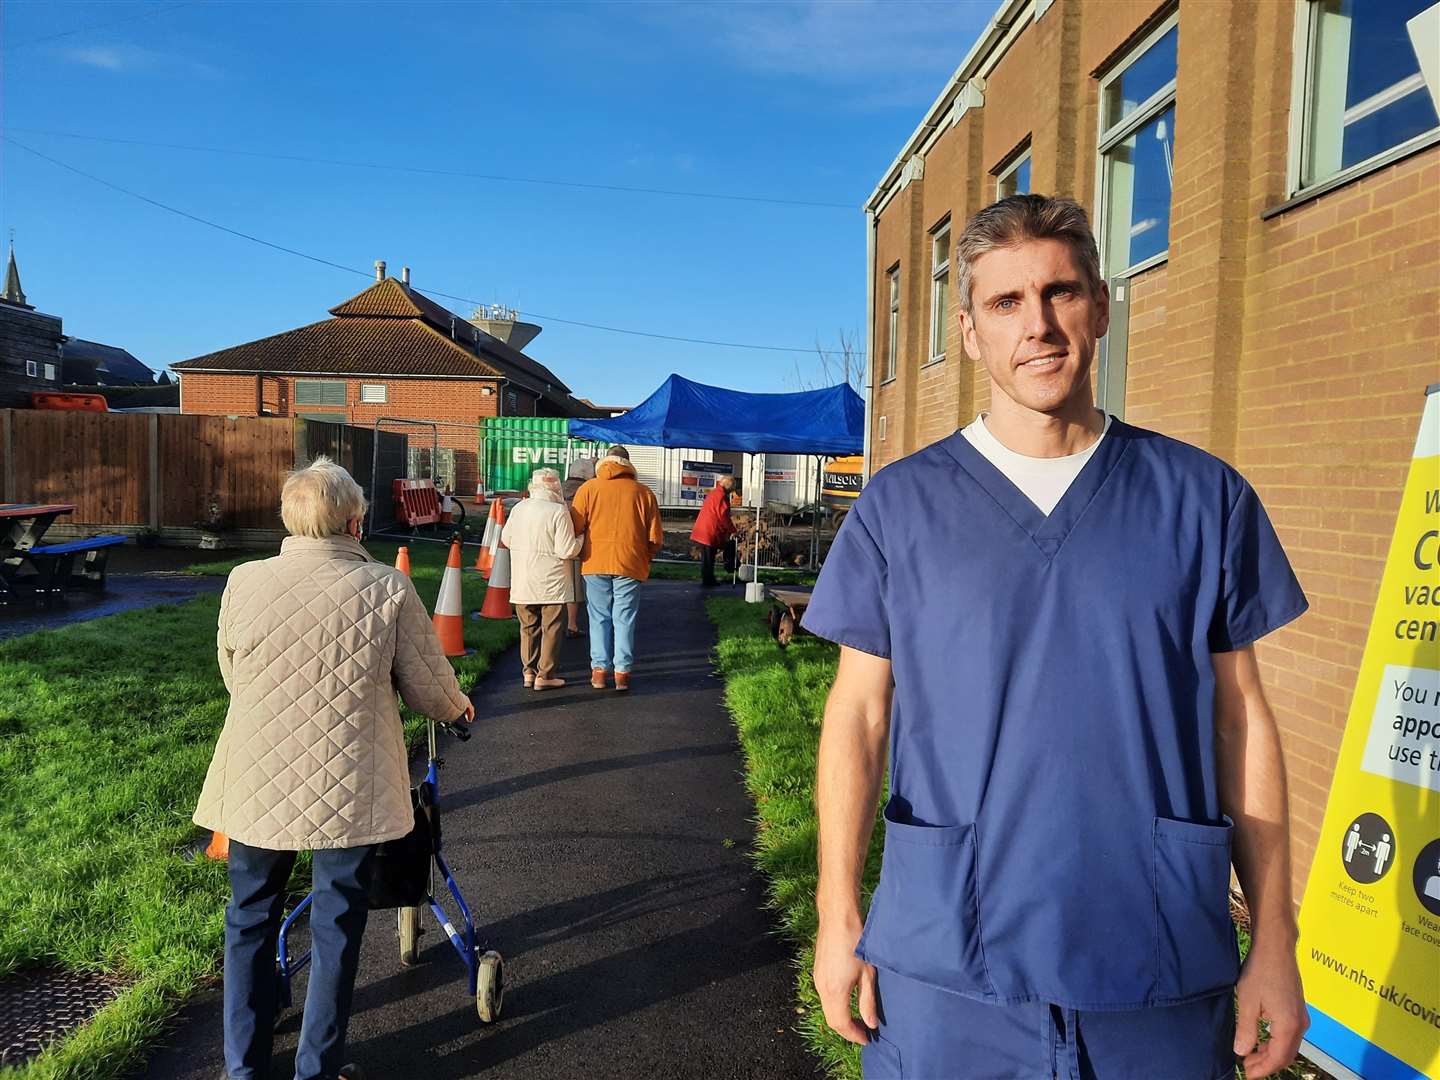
x=469 y=711
x=1269 y=989
x=837 y=972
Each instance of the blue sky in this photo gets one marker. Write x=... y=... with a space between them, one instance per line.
x=807 y=101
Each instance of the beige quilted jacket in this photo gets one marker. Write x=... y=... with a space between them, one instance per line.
x=313 y=645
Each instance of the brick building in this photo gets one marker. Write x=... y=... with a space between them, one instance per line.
x=1264 y=181
x=388 y=352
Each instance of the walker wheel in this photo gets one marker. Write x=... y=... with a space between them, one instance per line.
x=786 y=632
x=490 y=987
x=409 y=923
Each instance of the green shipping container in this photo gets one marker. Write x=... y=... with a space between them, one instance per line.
x=513 y=447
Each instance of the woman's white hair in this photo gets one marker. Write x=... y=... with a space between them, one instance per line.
x=545 y=480
x=320 y=499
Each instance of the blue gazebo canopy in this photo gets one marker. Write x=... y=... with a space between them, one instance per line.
x=689 y=414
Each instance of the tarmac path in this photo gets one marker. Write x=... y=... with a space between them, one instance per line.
x=600 y=837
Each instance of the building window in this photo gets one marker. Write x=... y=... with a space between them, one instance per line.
x=882 y=426
x=373 y=393
x=50 y=372
x=892 y=344
x=319 y=392
x=1137 y=153
x=939 y=289
x=32 y=369
x=1014 y=178
x=1363 y=92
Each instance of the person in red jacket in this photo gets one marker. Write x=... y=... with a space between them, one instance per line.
x=713 y=527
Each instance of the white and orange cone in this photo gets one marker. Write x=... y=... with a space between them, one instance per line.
x=491 y=540
x=402 y=560
x=449 y=625
x=497 y=592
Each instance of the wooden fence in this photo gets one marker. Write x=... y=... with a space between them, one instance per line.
x=130 y=472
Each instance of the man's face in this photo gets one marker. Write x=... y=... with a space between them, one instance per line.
x=1035 y=324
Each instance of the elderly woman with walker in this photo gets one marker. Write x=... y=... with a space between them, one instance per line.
x=313 y=645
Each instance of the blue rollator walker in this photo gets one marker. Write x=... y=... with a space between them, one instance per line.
x=486 y=968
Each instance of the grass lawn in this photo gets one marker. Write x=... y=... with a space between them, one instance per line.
x=106 y=729
x=776 y=697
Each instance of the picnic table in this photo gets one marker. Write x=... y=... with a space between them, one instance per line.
x=29 y=568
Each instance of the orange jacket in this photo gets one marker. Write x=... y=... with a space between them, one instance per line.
x=621 y=522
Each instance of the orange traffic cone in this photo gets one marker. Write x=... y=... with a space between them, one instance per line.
x=402 y=560
x=497 y=593
x=493 y=524
x=219 y=847
x=449 y=626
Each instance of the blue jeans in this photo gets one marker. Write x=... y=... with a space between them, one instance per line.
x=252 y=928
x=614 y=602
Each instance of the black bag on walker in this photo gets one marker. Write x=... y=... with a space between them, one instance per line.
x=400 y=875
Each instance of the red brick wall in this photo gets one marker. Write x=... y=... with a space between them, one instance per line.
x=456 y=404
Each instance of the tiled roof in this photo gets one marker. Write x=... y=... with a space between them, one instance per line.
x=389 y=329
x=110 y=360
x=384 y=299
x=351 y=346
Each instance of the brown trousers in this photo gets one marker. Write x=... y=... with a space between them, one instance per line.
x=541 y=629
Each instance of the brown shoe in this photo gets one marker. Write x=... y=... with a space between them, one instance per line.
x=622 y=680
x=548 y=684
x=529 y=679
x=597 y=678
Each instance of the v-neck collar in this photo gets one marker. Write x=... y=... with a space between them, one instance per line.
x=1048 y=533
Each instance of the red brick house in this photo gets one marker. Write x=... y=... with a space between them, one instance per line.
x=388 y=352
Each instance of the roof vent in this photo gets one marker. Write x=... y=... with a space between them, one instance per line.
x=379 y=269
x=405 y=274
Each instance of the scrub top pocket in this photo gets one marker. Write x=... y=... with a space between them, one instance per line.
x=1196 y=949
x=924 y=919
x=880 y=1060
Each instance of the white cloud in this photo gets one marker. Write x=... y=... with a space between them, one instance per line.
x=97 y=56
x=135 y=58
x=892 y=52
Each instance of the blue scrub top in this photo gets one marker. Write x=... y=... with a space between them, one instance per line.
x=1054 y=830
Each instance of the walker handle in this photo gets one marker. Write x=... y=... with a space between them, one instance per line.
x=458 y=728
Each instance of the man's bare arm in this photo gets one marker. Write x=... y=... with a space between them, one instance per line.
x=1252 y=792
x=849 y=772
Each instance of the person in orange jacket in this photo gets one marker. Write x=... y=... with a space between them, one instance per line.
x=620 y=519
x=713 y=528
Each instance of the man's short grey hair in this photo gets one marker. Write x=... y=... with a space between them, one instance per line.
x=320 y=499
x=1017 y=219
x=545 y=480
x=618 y=451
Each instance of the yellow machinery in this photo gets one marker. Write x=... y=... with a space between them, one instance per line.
x=841 y=486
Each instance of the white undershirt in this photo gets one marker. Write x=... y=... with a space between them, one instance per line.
x=1043 y=481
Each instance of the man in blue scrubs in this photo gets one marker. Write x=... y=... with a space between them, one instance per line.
x=1048 y=620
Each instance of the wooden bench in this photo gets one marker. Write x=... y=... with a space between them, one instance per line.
x=60 y=566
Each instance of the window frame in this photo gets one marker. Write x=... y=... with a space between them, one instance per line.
x=938 y=289
x=882 y=427
x=1307 y=28
x=345 y=399
x=383 y=399
x=32 y=369
x=1010 y=166
x=52 y=372
x=1107 y=139
x=892 y=347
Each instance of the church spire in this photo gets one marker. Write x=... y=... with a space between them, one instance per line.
x=13 y=293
